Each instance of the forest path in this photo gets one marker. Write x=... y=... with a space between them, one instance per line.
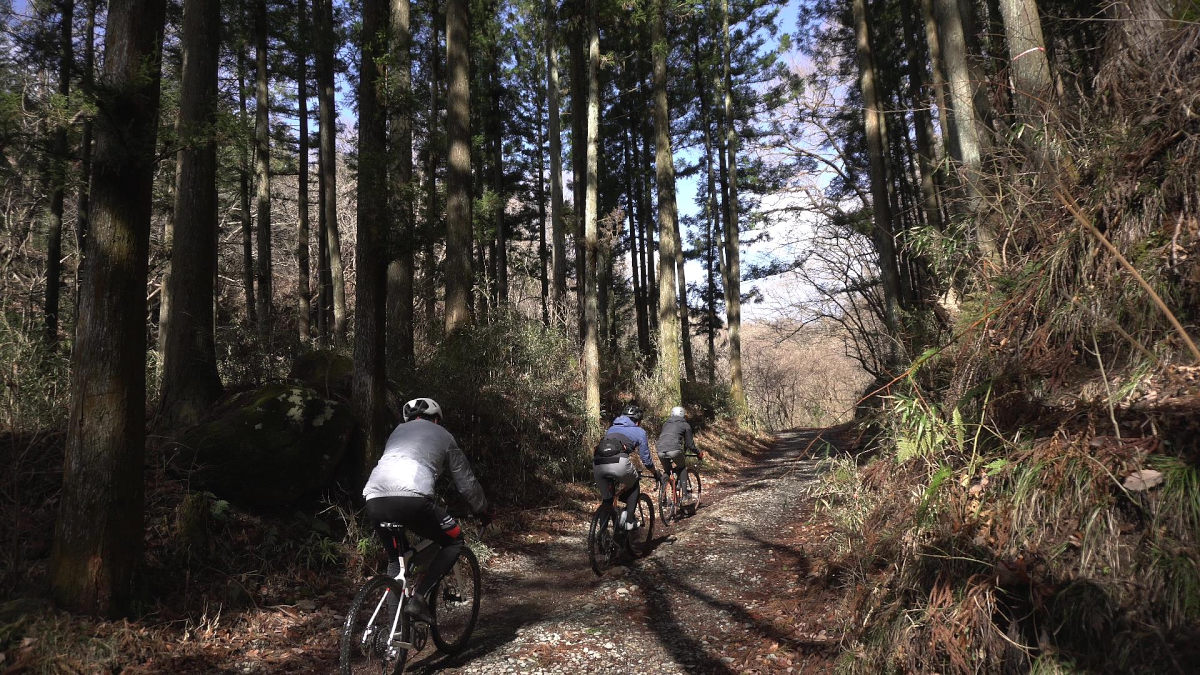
x=723 y=591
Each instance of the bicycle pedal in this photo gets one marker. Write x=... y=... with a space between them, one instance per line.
x=400 y=644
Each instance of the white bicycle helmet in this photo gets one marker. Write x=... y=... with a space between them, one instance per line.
x=678 y=411
x=422 y=407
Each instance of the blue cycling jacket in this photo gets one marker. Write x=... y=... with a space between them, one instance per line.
x=629 y=432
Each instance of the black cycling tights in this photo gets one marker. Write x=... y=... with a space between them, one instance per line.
x=425 y=518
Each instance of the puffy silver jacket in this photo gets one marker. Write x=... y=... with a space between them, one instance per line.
x=414 y=456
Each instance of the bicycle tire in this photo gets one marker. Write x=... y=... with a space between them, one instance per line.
x=692 y=480
x=601 y=540
x=370 y=618
x=666 y=500
x=637 y=542
x=455 y=604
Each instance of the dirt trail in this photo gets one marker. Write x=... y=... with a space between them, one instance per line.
x=724 y=591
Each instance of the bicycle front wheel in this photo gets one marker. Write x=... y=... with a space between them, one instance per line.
x=692 y=490
x=367 y=644
x=455 y=604
x=638 y=541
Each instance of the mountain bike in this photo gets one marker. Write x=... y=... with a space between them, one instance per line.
x=607 y=540
x=378 y=637
x=678 y=500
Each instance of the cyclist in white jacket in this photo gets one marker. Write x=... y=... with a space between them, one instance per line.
x=401 y=490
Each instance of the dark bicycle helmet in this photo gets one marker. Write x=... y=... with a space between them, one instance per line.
x=422 y=407
x=633 y=411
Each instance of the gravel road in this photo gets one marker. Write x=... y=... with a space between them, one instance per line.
x=720 y=592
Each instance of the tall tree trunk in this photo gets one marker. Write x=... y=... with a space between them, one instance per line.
x=558 y=234
x=579 y=168
x=650 y=247
x=87 y=86
x=497 y=152
x=459 y=277
x=733 y=309
x=262 y=167
x=303 y=282
x=543 y=249
x=371 y=244
x=922 y=124
x=400 y=271
x=431 y=197
x=58 y=179
x=685 y=333
x=591 y=347
x=668 y=217
x=712 y=219
x=635 y=245
x=962 y=109
x=874 y=123
x=99 y=532
x=333 y=286
x=244 y=197
x=1028 y=65
x=190 y=382
x=933 y=41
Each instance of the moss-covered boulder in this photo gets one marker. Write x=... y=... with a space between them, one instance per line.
x=326 y=371
x=268 y=447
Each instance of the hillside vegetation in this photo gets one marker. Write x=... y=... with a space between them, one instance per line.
x=1028 y=496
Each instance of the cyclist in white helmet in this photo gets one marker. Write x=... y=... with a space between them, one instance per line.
x=673 y=441
x=401 y=490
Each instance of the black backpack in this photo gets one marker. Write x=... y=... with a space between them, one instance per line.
x=610 y=447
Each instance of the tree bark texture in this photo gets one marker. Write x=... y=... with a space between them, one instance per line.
x=668 y=216
x=99 y=532
x=557 y=233
x=303 y=281
x=244 y=199
x=733 y=309
x=1029 y=69
x=962 y=109
x=371 y=244
x=873 y=122
x=87 y=85
x=58 y=179
x=635 y=244
x=578 y=51
x=543 y=249
x=262 y=168
x=922 y=123
x=591 y=346
x=400 y=272
x=333 y=287
x=432 y=211
x=190 y=381
x=459 y=277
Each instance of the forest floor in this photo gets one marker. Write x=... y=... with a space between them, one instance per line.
x=727 y=590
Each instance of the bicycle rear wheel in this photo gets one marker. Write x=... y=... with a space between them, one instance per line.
x=602 y=545
x=637 y=542
x=455 y=604
x=666 y=500
x=367 y=644
x=691 y=500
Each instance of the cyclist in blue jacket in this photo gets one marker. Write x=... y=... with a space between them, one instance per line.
x=611 y=460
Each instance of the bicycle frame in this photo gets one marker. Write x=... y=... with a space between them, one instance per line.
x=407 y=552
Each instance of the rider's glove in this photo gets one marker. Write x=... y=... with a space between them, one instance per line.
x=657 y=474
